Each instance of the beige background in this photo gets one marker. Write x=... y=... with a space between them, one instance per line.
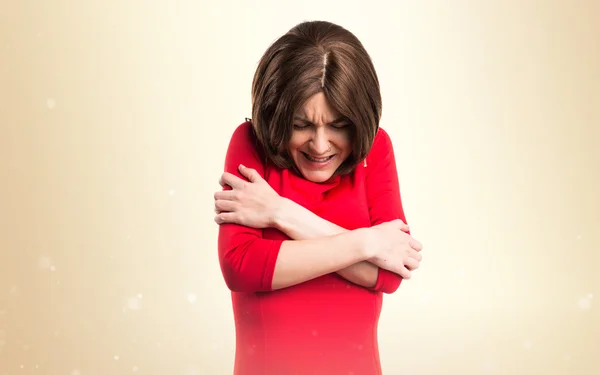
x=115 y=117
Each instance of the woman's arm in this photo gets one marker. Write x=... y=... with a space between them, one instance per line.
x=302 y=260
x=384 y=202
x=299 y=223
x=256 y=205
x=383 y=197
x=250 y=263
x=264 y=208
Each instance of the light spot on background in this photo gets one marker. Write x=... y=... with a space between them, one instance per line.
x=45 y=263
x=134 y=303
x=51 y=103
x=192 y=298
x=585 y=303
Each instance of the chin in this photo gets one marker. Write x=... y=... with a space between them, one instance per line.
x=317 y=172
x=317 y=176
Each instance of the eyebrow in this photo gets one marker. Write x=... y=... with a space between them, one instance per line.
x=336 y=121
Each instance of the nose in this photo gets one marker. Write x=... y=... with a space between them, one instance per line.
x=319 y=144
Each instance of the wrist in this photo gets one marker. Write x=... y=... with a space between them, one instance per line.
x=279 y=220
x=364 y=239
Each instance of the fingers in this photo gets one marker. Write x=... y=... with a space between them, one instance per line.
x=398 y=223
x=404 y=273
x=415 y=244
x=251 y=174
x=226 y=217
x=225 y=205
x=415 y=255
x=411 y=264
x=231 y=180
x=418 y=246
x=225 y=195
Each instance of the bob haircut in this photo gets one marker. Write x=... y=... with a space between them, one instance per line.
x=313 y=57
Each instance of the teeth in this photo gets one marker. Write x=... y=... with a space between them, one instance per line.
x=318 y=160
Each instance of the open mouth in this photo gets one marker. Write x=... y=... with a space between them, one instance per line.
x=318 y=160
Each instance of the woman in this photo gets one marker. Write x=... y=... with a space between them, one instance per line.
x=312 y=228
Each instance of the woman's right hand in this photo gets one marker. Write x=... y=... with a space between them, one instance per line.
x=393 y=249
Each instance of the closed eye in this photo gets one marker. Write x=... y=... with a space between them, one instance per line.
x=341 y=125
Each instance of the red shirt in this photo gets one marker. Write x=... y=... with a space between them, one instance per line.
x=327 y=325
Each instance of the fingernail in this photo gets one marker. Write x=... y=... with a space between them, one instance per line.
x=242 y=166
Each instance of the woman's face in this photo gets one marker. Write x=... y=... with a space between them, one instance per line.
x=320 y=139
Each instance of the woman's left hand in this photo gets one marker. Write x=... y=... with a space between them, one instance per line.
x=251 y=203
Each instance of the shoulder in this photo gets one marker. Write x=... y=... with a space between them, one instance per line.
x=244 y=133
x=244 y=140
x=245 y=148
x=381 y=156
x=382 y=145
x=382 y=139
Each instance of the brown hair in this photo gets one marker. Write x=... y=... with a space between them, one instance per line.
x=313 y=57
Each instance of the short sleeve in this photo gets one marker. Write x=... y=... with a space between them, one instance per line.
x=383 y=197
x=247 y=260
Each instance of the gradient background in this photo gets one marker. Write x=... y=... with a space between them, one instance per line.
x=115 y=117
